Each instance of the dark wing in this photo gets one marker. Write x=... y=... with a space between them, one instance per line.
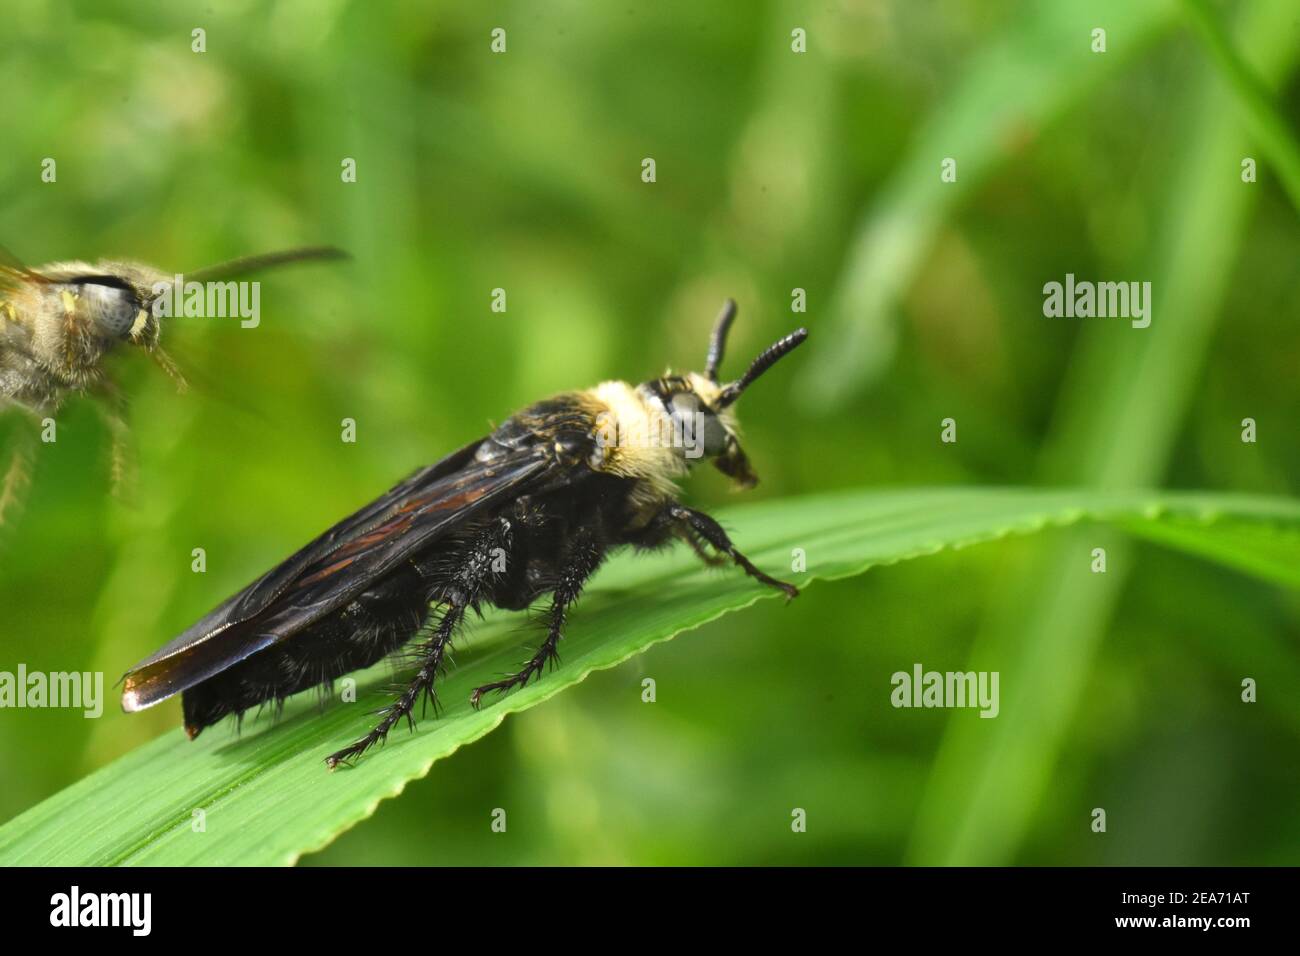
x=337 y=566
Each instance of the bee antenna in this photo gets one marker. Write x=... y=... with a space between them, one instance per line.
x=718 y=341
x=769 y=357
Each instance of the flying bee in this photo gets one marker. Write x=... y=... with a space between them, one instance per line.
x=58 y=324
x=553 y=490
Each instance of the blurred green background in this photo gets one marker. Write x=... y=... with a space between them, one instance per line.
x=775 y=171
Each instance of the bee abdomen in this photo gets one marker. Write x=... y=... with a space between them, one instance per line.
x=361 y=633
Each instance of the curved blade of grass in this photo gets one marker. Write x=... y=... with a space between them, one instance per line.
x=267 y=798
x=1258 y=105
x=1042 y=64
x=1116 y=426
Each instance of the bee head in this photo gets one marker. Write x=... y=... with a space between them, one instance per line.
x=116 y=308
x=699 y=406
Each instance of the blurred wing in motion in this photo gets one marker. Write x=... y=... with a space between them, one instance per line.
x=13 y=272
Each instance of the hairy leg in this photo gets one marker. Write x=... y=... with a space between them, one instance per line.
x=694 y=539
x=469 y=580
x=698 y=522
x=112 y=410
x=582 y=558
x=172 y=370
x=431 y=653
x=17 y=475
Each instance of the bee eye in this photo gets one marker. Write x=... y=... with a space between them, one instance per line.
x=699 y=422
x=685 y=411
x=112 y=309
x=715 y=435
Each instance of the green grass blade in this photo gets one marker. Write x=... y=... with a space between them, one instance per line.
x=267 y=798
x=1258 y=105
x=1116 y=425
x=1041 y=65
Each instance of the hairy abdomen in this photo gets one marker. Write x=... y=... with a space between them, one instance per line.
x=376 y=623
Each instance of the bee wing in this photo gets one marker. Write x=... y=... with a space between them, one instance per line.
x=336 y=567
x=14 y=273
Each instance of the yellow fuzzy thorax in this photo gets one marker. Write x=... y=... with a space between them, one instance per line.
x=633 y=427
x=636 y=437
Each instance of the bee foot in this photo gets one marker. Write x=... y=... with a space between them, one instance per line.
x=348 y=754
x=533 y=668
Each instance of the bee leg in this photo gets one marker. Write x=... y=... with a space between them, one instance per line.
x=403 y=707
x=692 y=537
x=172 y=370
x=463 y=592
x=17 y=476
x=112 y=411
x=709 y=529
x=584 y=556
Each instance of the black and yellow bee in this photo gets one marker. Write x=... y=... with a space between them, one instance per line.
x=532 y=509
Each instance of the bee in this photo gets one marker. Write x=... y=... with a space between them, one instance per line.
x=532 y=509
x=58 y=323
